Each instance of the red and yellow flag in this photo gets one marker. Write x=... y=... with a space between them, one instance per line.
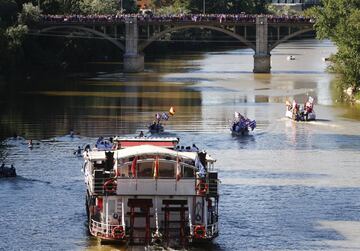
x=178 y=169
x=156 y=167
x=133 y=166
x=172 y=111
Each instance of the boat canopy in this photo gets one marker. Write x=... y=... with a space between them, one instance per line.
x=168 y=142
x=145 y=150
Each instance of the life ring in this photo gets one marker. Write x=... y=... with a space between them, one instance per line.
x=199 y=232
x=202 y=187
x=118 y=232
x=110 y=186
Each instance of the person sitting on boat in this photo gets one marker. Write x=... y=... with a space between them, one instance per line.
x=194 y=148
x=87 y=148
x=12 y=171
x=30 y=144
x=153 y=126
x=78 y=151
x=141 y=134
x=289 y=105
x=296 y=110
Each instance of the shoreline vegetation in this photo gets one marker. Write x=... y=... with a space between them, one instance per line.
x=339 y=21
x=22 y=54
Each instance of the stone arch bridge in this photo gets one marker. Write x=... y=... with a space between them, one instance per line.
x=132 y=35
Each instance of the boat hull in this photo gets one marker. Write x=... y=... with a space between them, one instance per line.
x=310 y=116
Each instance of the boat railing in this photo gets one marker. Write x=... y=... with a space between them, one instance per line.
x=212 y=229
x=103 y=230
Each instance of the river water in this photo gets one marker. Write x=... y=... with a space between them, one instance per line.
x=287 y=186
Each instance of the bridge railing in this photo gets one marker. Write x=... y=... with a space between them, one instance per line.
x=153 y=19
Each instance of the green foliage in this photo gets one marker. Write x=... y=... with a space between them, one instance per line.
x=282 y=10
x=51 y=6
x=339 y=20
x=211 y=7
x=15 y=36
x=176 y=7
x=99 y=6
x=29 y=14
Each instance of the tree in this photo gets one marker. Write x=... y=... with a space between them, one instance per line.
x=98 y=6
x=29 y=14
x=339 y=20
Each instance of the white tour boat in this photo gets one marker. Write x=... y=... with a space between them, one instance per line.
x=146 y=191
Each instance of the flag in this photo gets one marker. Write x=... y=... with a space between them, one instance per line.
x=172 y=111
x=178 y=169
x=156 y=167
x=311 y=99
x=164 y=116
x=252 y=124
x=133 y=166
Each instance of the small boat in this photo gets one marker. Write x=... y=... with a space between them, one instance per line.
x=156 y=128
x=290 y=58
x=298 y=113
x=146 y=192
x=6 y=172
x=241 y=125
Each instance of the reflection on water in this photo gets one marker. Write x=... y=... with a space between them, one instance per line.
x=285 y=186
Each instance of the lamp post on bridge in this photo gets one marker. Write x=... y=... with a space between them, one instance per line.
x=204 y=7
x=121 y=6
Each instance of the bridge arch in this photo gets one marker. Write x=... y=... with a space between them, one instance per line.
x=199 y=26
x=100 y=34
x=282 y=40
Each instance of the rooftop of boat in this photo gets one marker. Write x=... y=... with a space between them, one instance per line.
x=144 y=149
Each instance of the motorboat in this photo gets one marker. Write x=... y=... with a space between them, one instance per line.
x=7 y=172
x=290 y=58
x=156 y=128
x=145 y=191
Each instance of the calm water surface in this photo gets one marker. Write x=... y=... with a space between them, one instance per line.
x=287 y=186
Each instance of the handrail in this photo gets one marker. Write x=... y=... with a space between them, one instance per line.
x=98 y=228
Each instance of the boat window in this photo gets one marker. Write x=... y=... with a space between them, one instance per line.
x=188 y=172
x=145 y=170
x=110 y=209
x=99 y=164
x=166 y=170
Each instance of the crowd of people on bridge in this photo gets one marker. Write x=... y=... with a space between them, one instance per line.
x=222 y=18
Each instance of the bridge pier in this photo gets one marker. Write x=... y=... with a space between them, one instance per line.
x=133 y=59
x=262 y=57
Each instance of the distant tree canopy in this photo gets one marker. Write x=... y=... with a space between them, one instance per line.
x=339 y=20
x=211 y=6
